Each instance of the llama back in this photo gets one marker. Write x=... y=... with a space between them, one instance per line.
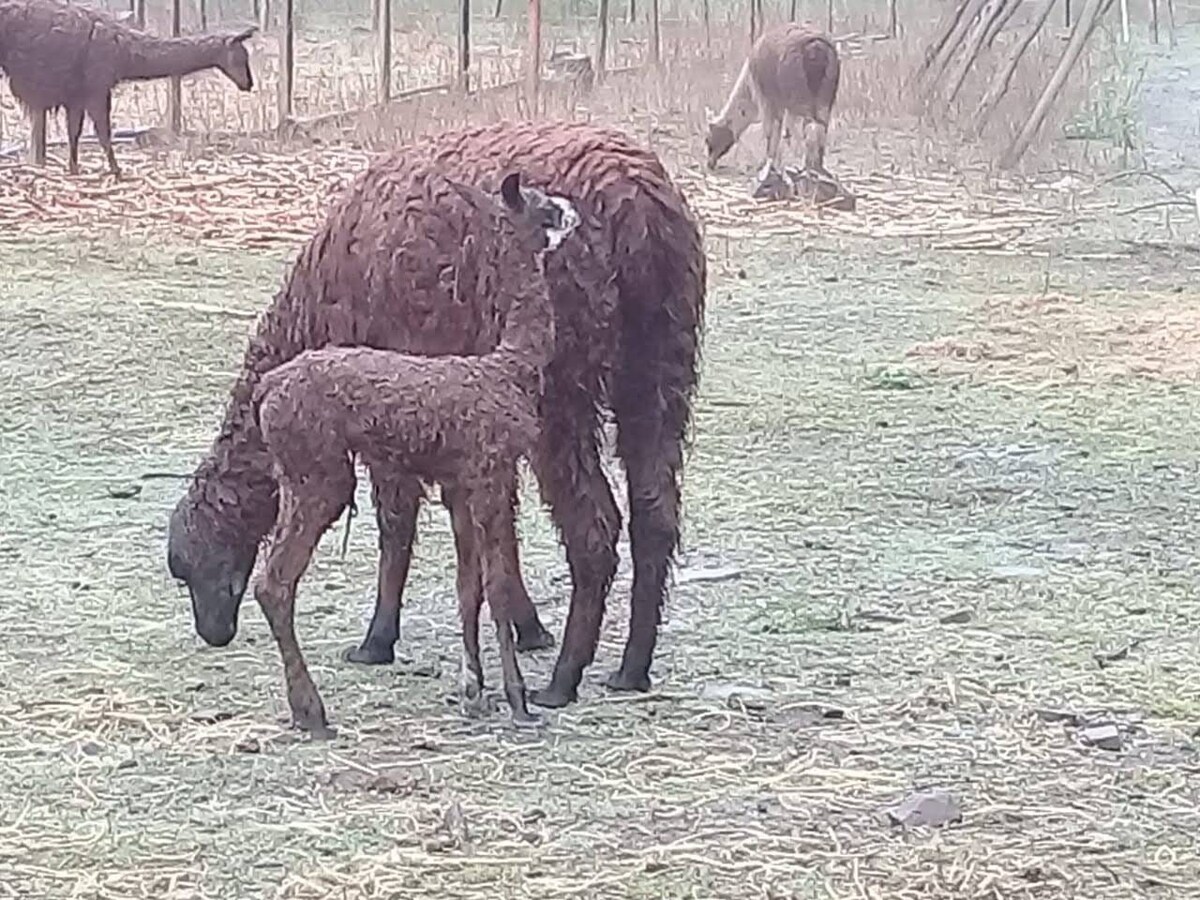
x=796 y=67
x=41 y=45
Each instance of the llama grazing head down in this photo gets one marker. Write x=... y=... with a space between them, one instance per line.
x=215 y=530
x=234 y=59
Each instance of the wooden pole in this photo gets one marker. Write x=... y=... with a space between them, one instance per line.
x=1067 y=15
x=499 y=7
x=1003 y=78
x=383 y=34
x=535 y=53
x=1001 y=20
x=139 y=13
x=1124 y=21
x=973 y=44
x=287 y=60
x=175 y=88
x=1154 y=20
x=893 y=18
x=204 y=15
x=829 y=18
x=632 y=10
x=707 y=24
x=792 y=11
x=655 y=34
x=602 y=40
x=264 y=12
x=753 y=21
x=1171 y=22
x=464 y=46
x=1088 y=17
x=944 y=29
x=961 y=26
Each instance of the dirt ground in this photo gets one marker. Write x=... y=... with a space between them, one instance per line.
x=940 y=528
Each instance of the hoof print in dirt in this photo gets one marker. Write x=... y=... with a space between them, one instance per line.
x=933 y=808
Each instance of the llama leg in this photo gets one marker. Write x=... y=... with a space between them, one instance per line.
x=772 y=131
x=74 y=130
x=491 y=521
x=815 y=132
x=582 y=506
x=469 y=583
x=652 y=400
x=298 y=529
x=531 y=634
x=100 y=111
x=37 y=136
x=396 y=504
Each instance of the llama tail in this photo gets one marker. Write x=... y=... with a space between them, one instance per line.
x=822 y=71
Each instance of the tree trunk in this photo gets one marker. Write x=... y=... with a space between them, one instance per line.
x=1003 y=77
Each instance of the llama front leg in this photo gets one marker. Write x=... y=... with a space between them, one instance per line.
x=396 y=504
x=469 y=584
x=815 y=134
x=74 y=130
x=491 y=520
x=297 y=532
x=531 y=633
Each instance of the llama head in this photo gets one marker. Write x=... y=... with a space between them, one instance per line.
x=234 y=59
x=212 y=544
x=549 y=217
x=719 y=141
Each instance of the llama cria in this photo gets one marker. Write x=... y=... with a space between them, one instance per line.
x=60 y=54
x=792 y=73
x=628 y=294
x=462 y=421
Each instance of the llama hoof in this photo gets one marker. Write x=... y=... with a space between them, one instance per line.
x=621 y=680
x=370 y=655
x=533 y=636
x=553 y=697
x=527 y=719
x=317 y=729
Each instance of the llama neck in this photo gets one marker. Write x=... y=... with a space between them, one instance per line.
x=527 y=340
x=741 y=109
x=146 y=57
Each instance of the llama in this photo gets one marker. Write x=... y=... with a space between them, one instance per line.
x=628 y=294
x=792 y=73
x=463 y=421
x=59 y=54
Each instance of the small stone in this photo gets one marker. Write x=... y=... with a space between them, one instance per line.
x=933 y=808
x=124 y=492
x=961 y=617
x=1102 y=737
x=248 y=745
x=187 y=259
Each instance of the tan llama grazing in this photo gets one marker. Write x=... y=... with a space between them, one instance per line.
x=791 y=74
x=59 y=54
x=460 y=421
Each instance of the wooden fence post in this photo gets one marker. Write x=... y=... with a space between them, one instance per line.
x=383 y=32
x=829 y=18
x=204 y=15
x=602 y=39
x=893 y=18
x=175 y=88
x=707 y=24
x=655 y=33
x=534 y=53
x=287 y=60
x=139 y=13
x=1171 y=21
x=1154 y=20
x=1124 y=21
x=753 y=21
x=464 y=46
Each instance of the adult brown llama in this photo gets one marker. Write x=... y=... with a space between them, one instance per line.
x=460 y=421
x=628 y=294
x=792 y=73
x=60 y=54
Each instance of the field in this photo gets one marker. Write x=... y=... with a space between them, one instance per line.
x=940 y=532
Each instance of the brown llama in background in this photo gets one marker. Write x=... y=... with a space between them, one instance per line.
x=628 y=294
x=58 y=54
x=460 y=421
x=792 y=74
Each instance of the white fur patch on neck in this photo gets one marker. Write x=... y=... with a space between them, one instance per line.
x=570 y=221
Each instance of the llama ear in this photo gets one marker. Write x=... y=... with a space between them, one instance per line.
x=244 y=35
x=510 y=192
